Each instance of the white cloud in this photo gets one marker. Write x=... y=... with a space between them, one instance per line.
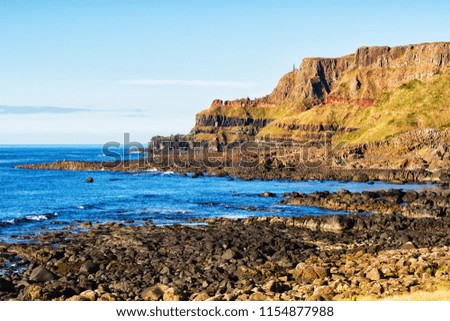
x=194 y=83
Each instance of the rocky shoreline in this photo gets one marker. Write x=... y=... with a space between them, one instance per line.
x=260 y=171
x=432 y=203
x=401 y=247
x=336 y=257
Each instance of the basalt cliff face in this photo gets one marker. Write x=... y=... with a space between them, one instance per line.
x=373 y=95
x=360 y=78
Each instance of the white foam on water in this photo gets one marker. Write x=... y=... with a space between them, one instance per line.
x=36 y=217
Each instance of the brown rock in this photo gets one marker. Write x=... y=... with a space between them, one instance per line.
x=154 y=293
x=315 y=297
x=409 y=246
x=173 y=294
x=321 y=272
x=89 y=295
x=202 y=296
x=374 y=274
x=89 y=267
x=257 y=296
x=377 y=289
x=33 y=292
x=231 y=254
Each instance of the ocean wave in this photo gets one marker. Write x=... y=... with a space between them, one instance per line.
x=98 y=206
x=28 y=219
x=37 y=217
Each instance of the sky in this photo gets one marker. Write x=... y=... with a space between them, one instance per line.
x=86 y=72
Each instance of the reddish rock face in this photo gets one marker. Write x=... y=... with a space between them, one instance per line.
x=333 y=100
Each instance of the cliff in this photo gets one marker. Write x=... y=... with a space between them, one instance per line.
x=371 y=95
x=360 y=78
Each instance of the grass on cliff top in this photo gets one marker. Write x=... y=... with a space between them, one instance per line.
x=413 y=105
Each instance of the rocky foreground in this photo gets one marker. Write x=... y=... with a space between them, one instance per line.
x=337 y=257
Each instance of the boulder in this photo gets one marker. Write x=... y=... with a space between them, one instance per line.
x=374 y=274
x=154 y=293
x=231 y=254
x=257 y=296
x=202 y=296
x=173 y=294
x=89 y=295
x=6 y=285
x=305 y=273
x=41 y=274
x=321 y=271
x=197 y=174
x=410 y=196
x=273 y=286
x=409 y=246
x=33 y=292
x=89 y=267
x=267 y=194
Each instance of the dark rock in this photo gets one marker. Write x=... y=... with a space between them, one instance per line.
x=274 y=286
x=89 y=267
x=409 y=246
x=41 y=274
x=410 y=196
x=267 y=194
x=154 y=293
x=6 y=285
x=197 y=174
x=360 y=178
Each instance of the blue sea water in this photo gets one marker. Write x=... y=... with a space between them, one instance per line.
x=30 y=200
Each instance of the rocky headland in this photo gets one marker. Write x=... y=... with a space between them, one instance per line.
x=379 y=110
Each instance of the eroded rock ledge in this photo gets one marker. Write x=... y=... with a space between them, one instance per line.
x=263 y=167
x=427 y=203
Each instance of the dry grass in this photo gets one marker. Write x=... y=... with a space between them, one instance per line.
x=437 y=293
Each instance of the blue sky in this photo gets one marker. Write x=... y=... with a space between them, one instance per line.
x=102 y=68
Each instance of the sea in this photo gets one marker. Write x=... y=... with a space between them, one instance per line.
x=35 y=201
